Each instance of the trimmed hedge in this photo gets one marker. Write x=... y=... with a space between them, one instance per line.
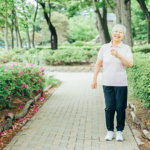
x=142 y=48
x=139 y=77
x=67 y=56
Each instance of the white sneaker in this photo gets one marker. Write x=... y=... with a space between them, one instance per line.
x=119 y=136
x=109 y=136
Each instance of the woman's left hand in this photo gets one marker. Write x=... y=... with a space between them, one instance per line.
x=115 y=53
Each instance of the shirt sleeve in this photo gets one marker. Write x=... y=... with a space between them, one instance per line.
x=129 y=53
x=100 y=54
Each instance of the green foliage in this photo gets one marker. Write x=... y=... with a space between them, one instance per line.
x=53 y=81
x=78 y=43
x=82 y=28
x=6 y=56
x=138 y=77
x=59 y=44
x=67 y=56
x=139 y=22
x=141 y=48
x=61 y=23
x=87 y=48
x=19 y=80
x=66 y=43
x=73 y=9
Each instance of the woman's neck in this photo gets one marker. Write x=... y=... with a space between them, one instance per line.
x=115 y=43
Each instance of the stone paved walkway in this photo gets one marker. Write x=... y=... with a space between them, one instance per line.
x=72 y=119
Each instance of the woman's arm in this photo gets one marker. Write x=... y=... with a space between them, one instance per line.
x=126 y=61
x=96 y=71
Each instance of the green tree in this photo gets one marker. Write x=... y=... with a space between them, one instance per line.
x=47 y=15
x=145 y=6
x=61 y=24
x=100 y=10
x=82 y=28
x=139 y=23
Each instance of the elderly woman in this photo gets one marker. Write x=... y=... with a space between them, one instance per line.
x=114 y=56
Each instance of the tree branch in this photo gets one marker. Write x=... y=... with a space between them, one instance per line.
x=104 y=12
x=144 y=8
x=4 y=18
x=126 y=1
x=112 y=9
x=97 y=10
x=35 y=13
x=49 y=10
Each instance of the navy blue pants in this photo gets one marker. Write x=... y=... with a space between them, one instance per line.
x=115 y=100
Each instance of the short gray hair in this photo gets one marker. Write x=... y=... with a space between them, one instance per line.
x=119 y=26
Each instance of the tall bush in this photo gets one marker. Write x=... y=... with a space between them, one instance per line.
x=139 y=77
x=19 y=80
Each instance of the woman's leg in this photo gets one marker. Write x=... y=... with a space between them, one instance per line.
x=121 y=104
x=110 y=102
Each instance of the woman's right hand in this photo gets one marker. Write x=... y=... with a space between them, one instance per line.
x=94 y=84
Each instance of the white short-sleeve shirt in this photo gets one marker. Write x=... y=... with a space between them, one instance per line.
x=114 y=73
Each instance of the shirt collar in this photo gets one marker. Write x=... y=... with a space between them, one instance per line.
x=111 y=45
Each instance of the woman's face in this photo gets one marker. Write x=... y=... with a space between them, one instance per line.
x=118 y=35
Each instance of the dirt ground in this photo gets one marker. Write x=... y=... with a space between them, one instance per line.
x=146 y=145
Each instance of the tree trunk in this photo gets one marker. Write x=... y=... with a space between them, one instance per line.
x=116 y=10
x=126 y=20
x=6 y=34
x=147 y=13
x=53 y=38
x=16 y=26
x=28 y=37
x=102 y=25
x=51 y=28
x=20 y=40
x=34 y=26
x=148 y=30
x=27 y=30
x=12 y=35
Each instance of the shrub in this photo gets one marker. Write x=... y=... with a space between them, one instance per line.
x=88 y=48
x=139 y=77
x=91 y=44
x=19 y=50
x=59 y=44
x=68 y=56
x=66 y=43
x=6 y=56
x=19 y=80
x=69 y=48
x=142 y=48
x=51 y=80
x=34 y=50
x=78 y=43
x=43 y=47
